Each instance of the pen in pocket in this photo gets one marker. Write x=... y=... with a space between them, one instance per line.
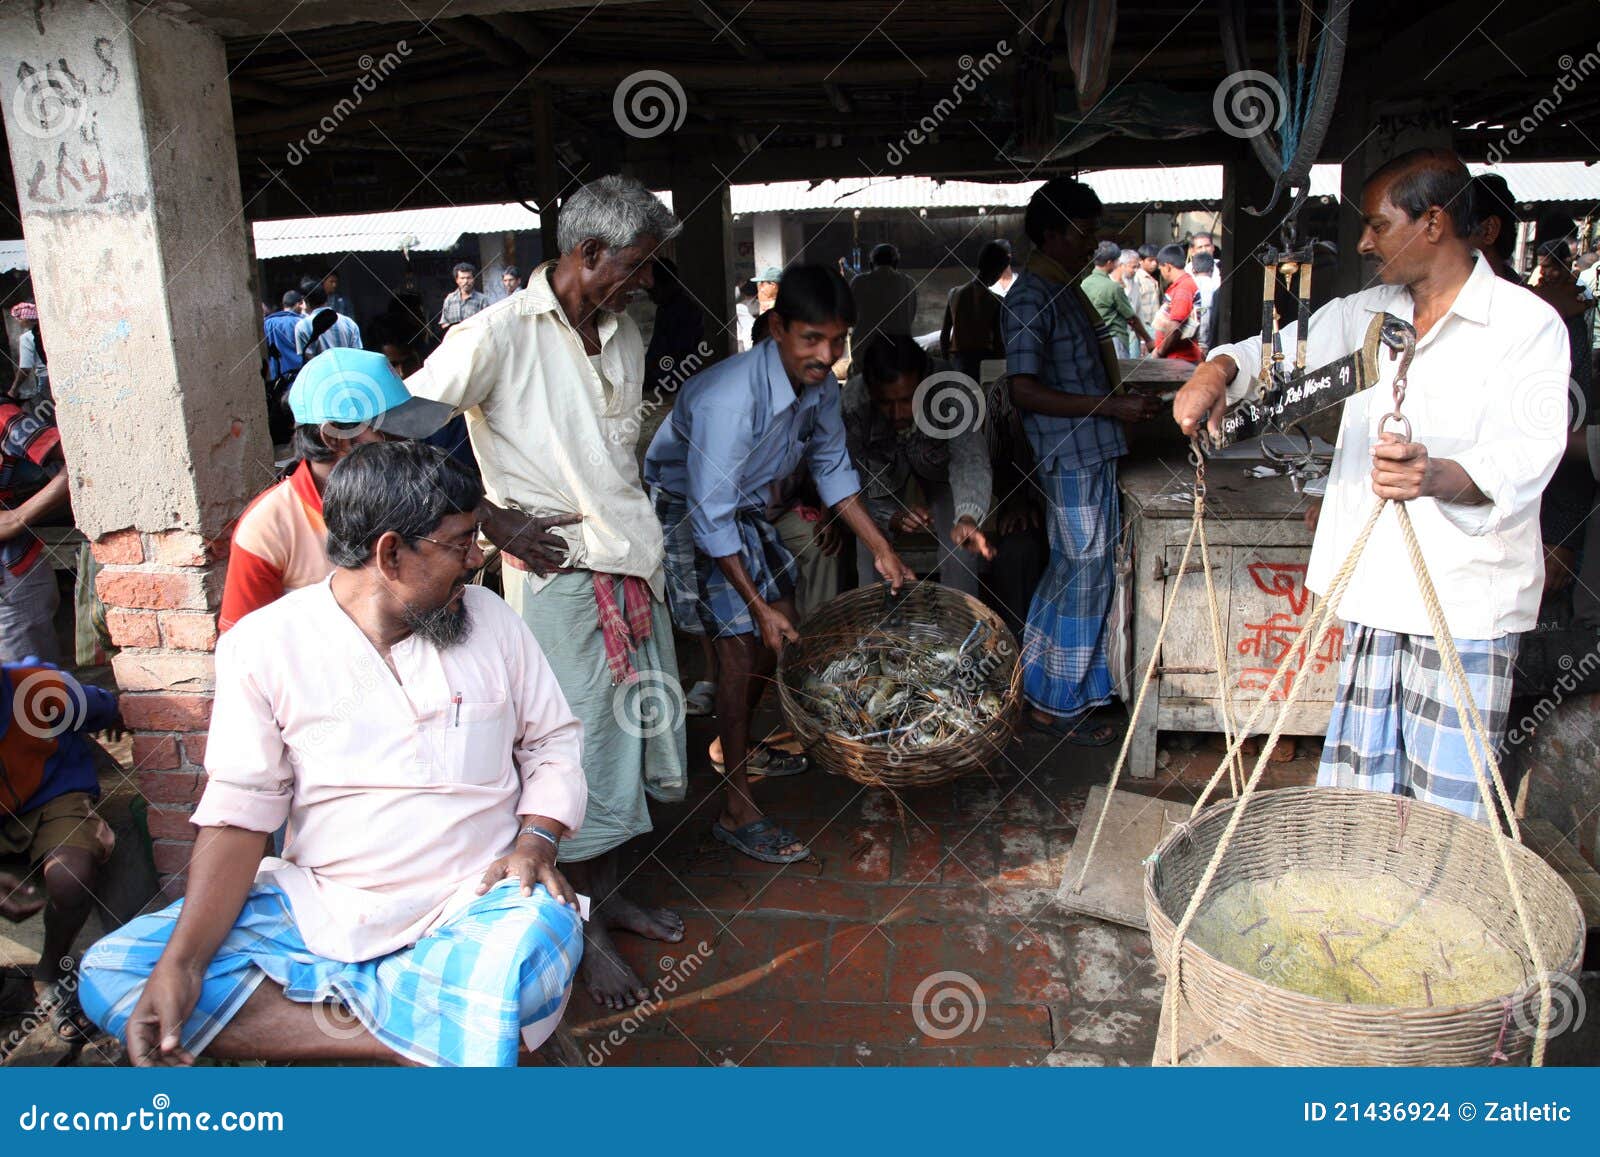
x=456 y=700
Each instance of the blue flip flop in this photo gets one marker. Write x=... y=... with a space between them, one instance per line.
x=760 y=840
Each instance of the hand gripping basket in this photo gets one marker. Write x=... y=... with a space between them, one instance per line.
x=1360 y=834
x=926 y=614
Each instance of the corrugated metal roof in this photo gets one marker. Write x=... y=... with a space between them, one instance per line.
x=407 y=229
x=1548 y=180
x=437 y=230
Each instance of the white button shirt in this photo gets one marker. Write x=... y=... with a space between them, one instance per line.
x=1487 y=389
x=553 y=435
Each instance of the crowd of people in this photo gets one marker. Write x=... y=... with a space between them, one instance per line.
x=418 y=789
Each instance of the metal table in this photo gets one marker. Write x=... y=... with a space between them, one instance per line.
x=1259 y=548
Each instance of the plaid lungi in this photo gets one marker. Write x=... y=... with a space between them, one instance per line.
x=1064 y=643
x=493 y=975
x=702 y=599
x=1395 y=726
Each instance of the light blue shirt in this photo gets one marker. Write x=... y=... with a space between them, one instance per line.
x=738 y=428
x=342 y=334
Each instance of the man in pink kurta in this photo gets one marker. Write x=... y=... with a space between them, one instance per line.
x=407 y=728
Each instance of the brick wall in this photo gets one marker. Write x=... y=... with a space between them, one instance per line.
x=161 y=593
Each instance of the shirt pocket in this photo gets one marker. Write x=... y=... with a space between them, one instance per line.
x=473 y=745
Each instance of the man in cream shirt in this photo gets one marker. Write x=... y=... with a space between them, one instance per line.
x=1486 y=399
x=551 y=380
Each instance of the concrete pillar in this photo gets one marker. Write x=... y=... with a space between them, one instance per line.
x=704 y=250
x=769 y=240
x=128 y=185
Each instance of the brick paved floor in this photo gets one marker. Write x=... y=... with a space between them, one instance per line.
x=819 y=963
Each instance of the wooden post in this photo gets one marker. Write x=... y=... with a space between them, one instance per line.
x=546 y=182
x=703 y=250
x=1244 y=183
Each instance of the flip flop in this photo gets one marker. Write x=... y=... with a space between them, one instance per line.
x=19 y=900
x=768 y=763
x=701 y=699
x=760 y=840
x=1073 y=731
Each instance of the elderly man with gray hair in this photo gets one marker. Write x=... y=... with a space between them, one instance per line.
x=550 y=380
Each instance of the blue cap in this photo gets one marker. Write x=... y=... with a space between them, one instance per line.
x=351 y=387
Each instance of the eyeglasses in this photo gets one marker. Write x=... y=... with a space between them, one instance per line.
x=465 y=548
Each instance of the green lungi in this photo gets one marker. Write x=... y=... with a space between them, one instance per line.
x=633 y=738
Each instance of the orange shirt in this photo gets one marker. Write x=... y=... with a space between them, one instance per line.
x=279 y=545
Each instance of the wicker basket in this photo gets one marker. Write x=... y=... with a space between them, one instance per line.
x=928 y=614
x=1361 y=834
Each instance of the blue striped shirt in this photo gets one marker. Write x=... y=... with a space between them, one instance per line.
x=1050 y=336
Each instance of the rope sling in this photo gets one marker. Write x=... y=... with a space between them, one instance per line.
x=1485 y=767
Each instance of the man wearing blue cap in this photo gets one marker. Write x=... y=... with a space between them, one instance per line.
x=340 y=400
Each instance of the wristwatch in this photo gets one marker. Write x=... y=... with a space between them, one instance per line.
x=542 y=833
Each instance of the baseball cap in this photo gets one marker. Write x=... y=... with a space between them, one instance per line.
x=351 y=387
x=770 y=273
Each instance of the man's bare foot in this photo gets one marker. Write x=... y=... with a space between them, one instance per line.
x=609 y=980
x=18 y=900
x=652 y=923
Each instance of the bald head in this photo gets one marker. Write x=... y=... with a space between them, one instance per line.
x=1422 y=180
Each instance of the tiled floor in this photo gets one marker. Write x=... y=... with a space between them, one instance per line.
x=928 y=937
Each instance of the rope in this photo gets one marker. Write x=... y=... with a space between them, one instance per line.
x=1458 y=680
x=1219 y=654
x=1195 y=526
x=1318 y=617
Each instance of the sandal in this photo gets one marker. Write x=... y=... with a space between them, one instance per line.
x=768 y=763
x=760 y=840
x=701 y=699
x=1072 y=730
x=67 y=1018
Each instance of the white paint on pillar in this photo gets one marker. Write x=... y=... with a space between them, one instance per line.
x=128 y=183
x=768 y=236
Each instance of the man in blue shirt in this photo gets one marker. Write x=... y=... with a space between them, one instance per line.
x=738 y=428
x=283 y=360
x=323 y=327
x=1063 y=372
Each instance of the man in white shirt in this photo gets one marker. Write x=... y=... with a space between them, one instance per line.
x=1486 y=402
x=405 y=725
x=886 y=299
x=551 y=381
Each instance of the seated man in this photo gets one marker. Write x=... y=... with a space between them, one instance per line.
x=408 y=728
x=48 y=789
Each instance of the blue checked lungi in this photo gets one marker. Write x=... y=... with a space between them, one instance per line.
x=461 y=996
x=1064 y=643
x=1395 y=726
x=702 y=599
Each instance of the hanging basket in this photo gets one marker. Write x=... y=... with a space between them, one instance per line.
x=929 y=615
x=1331 y=832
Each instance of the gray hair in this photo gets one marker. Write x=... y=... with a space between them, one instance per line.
x=616 y=211
x=1128 y=257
